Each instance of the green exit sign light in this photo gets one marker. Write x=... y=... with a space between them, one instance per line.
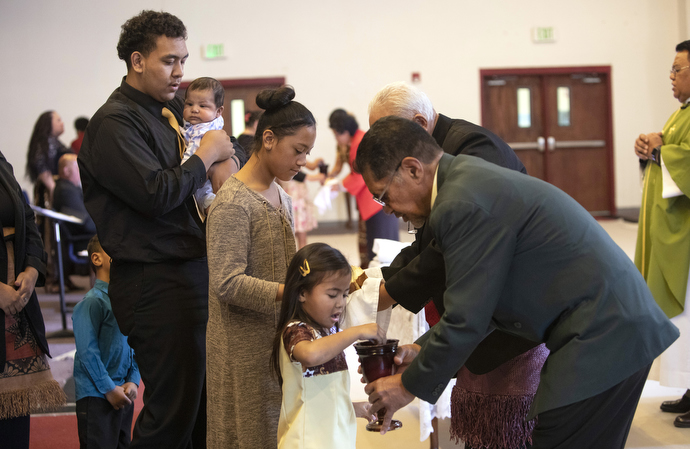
x=543 y=34
x=213 y=51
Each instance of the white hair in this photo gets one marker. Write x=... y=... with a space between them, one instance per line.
x=404 y=101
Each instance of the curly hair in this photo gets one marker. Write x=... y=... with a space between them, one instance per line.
x=140 y=33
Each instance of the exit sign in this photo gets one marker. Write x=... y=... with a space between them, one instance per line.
x=213 y=51
x=543 y=34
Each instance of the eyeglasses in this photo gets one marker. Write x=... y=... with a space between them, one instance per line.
x=674 y=71
x=379 y=198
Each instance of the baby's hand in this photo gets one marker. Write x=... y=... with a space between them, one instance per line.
x=117 y=397
x=372 y=331
x=362 y=411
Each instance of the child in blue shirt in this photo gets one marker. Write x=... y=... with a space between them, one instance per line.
x=106 y=376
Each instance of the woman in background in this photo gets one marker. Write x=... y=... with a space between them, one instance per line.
x=42 y=167
x=373 y=221
x=44 y=152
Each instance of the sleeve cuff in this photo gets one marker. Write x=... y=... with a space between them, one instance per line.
x=105 y=385
x=414 y=383
x=196 y=166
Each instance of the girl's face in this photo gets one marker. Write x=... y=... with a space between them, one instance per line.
x=57 y=126
x=325 y=303
x=287 y=155
x=200 y=107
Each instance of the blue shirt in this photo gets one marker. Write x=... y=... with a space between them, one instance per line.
x=103 y=359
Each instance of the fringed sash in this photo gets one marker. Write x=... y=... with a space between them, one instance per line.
x=489 y=410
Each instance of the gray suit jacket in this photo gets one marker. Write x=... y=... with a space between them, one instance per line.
x=524 y=257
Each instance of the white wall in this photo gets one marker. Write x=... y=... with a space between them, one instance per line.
x=61 y=55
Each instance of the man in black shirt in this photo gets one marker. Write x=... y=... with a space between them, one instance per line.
x=140 y=197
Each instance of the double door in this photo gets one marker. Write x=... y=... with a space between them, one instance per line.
x=558 y=121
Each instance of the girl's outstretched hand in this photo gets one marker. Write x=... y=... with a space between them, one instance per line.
x=362 y=411
x=373 y=332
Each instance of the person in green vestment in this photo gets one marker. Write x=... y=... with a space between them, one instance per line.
x=663 y=240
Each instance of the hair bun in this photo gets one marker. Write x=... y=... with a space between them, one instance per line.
x=269 y=99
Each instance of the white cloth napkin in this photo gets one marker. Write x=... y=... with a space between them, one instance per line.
x=325 y=196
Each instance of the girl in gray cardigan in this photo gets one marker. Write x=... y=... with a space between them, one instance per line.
x=250 y=243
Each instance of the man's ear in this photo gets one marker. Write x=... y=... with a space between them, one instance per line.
x=413 y=168
x=137 y=60
x=269 y=139
x=420 y=120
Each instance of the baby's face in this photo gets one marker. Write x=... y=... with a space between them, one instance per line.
x=199 y=107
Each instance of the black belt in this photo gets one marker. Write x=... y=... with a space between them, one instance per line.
x=656 y=156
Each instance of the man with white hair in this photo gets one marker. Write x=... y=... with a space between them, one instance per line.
x=455 y=136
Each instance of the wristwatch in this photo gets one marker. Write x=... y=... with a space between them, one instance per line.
x=656 y=155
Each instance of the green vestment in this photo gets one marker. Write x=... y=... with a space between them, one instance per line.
x=663 y=239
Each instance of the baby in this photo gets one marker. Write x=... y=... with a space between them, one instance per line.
x=203 y=109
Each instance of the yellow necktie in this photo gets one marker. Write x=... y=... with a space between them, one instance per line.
x=173 y=122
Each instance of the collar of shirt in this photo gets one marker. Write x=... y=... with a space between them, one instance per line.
x=443 y=124
x=145 y=101
x=101 y=285
x=434 y=189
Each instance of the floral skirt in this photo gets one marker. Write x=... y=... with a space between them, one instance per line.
x=302 y=206
x=26 y=383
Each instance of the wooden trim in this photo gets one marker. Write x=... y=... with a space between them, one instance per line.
x=544 y=71
x=546 y=130
x=245 y=82
x=609 y=138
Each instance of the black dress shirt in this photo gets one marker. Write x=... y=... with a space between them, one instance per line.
x=136 y=191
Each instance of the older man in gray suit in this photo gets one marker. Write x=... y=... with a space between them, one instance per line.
x=523 y=257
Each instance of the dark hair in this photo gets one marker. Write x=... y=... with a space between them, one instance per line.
x=683 y=46
x=281 y=114
x=94 y=246
x=81 y=123
x=140 y=33
x=206 y=83
x=250 y=117
x=38 y=144
x=340 y=121
x=389 y=141
x=323 y=261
